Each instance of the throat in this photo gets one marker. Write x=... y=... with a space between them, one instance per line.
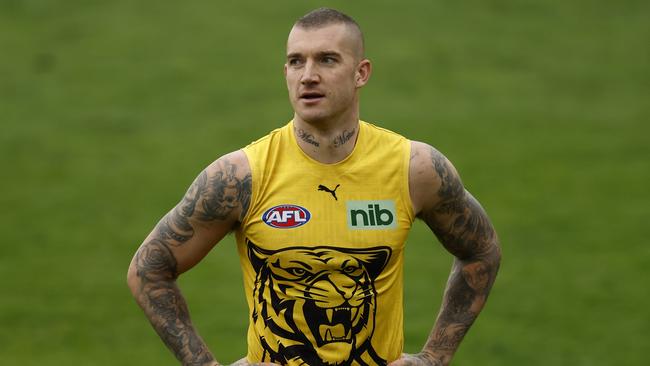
x=328 y=146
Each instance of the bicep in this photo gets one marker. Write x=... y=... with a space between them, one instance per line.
x=462 y=226
x=452 y=213
x=210 y=209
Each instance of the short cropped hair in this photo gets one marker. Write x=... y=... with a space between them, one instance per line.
x=322 y=17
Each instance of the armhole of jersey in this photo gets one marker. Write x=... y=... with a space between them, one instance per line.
x=254 y=186
x=406 y=192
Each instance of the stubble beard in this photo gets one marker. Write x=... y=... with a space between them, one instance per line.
x=324 y=114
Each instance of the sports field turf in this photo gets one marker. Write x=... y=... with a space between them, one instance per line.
x=109 y=109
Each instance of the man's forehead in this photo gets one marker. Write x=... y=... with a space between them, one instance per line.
x=333 y=37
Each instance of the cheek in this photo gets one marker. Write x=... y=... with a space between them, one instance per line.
x=291 y=82
x=345 y=90
x=347 y=84
x=293 y=93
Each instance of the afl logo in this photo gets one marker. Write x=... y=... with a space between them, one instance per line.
x=286 y=216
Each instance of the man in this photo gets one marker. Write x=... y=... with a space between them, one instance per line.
x=321 y=209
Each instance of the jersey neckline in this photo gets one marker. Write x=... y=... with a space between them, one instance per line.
x=347 y=159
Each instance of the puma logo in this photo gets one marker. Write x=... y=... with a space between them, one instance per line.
x=333 y=192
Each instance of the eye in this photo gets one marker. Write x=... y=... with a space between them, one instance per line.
x=328 y=60
x=350 y=269
x=294 y=61
x=296 y=271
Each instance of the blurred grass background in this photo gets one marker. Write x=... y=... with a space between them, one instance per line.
x=108 y=110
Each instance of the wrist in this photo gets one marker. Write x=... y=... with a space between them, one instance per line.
x=435 y=358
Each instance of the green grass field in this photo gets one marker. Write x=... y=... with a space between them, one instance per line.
x=108 y=110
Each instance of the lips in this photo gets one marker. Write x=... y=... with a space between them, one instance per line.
x=311 y=95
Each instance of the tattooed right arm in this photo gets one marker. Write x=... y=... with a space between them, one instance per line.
x=212 y=206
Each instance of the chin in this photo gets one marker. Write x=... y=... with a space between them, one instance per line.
x=313 y=117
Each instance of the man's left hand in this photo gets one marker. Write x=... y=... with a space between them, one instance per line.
x=418 y=359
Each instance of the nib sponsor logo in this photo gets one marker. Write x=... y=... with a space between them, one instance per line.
x=371 y=215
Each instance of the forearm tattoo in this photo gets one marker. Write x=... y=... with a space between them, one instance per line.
x=212 y=196
x=462 y=226
x=165 y=306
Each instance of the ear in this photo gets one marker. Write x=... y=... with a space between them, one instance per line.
x=362 y=75
x=285 y=70
x=257 y=255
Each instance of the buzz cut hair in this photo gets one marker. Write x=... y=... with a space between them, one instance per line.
x=323 y=17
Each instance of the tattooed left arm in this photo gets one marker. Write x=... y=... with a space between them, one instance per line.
x=464 y=229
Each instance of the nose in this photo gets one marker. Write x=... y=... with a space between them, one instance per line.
x=345 y=285
x=310 y=73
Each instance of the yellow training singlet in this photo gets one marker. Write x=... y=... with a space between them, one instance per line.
x=321 y=251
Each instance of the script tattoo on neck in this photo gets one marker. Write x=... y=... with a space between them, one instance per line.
x=307 y=137
x=341 y=139
x=215 y=195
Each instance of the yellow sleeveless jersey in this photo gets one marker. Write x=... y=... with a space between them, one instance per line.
x=321 y=249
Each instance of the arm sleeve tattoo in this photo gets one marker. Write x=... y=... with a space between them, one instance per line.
x=462 y=226
x=213 y=197
x=165 y=306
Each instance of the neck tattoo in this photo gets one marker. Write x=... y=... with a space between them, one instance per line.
x=307 y=137
x=341 y=139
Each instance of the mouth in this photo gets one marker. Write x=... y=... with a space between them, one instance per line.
x=310 y=97
x=335 y=324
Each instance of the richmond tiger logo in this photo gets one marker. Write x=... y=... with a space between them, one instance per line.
x=316 y=305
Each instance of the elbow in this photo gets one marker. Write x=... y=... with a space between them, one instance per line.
x=494 y=255
x=132 y=280
x=489 y=256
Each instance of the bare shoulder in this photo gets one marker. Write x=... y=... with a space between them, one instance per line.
x=452 y=213
x=432 y=177
x=235 y=161
x=225 y=186
x=210 y=208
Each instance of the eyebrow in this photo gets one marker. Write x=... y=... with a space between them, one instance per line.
x=302 y=264
x=319 y=54
x=346 y=262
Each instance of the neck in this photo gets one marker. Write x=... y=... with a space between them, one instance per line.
x=328 y=141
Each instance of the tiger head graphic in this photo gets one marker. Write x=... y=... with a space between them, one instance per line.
x=316 y=305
